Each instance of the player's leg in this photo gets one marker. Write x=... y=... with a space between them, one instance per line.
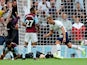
x=3 y=55
x=58 y=54
x=11 y=54
x=69 y=44
x=34 y=40
x=4 y=52
x=29 y=46
x=16 y=53
x=58 y=47
x=24 y=51
x=77 y=47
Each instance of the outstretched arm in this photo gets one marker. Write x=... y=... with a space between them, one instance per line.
x=49 y=34
x=64 y=34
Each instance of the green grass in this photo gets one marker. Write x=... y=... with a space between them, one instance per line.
x=72 y=61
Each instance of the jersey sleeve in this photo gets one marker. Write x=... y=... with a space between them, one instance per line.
x=4 y=46
x=51 y=27
x=16 y=50
x=59 y=24
x=36 y=20
x=24 y=20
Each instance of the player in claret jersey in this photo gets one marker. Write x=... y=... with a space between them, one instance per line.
x=10 y=51
x=32 y=27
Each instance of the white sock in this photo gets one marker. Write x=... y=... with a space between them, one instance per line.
x=34 y=52
x=29 y=46
x=11 y=54
x=77 y=47
x=24 y=52
x=58 y=49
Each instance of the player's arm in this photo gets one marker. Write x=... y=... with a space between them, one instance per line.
x=3 y=54
x=16 y=52
x=64 y=34
x=24 y=22
x=49 y=34
x=37 y=25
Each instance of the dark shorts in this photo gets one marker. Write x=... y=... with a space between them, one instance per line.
x=67 y=39
x=2 y=40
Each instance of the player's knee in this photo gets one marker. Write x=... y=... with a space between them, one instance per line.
x=34 y=44
x=26 y=43
x=1 y=57
x=69 y=46
x=58 y=42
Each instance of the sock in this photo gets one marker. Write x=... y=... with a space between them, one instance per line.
x=58 y=49
x=77 y=47
x=24 y=51
x=11 y=54
x=34 y=52
x=29 y=46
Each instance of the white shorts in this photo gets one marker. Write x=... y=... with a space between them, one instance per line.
x=31 y=37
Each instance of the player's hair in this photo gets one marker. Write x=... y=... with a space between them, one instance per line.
x=32 y=9
x=8 y=42
x=49 y=17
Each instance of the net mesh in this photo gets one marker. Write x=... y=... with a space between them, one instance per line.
x=65 y=6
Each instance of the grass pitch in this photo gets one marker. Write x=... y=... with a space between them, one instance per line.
x=71 y=61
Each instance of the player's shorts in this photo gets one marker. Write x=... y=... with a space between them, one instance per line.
x=31 y=37
x=67 y=39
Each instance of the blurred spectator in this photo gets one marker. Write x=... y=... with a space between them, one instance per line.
x=13 y=29
x=59 y=4
x=79 y=12
x=53 y=1
x=44 y=6
x=2 y=4
x=86 y=30
x=78 y=6
x=68 y=6
x=35 y=4
x=14 y=8
x=11 y=18
x=1 y=13
x=81 y=3
x=3 y=29
x=42 y=18
x=2 y=7
x=56 y=4
x=53 y=11
x=78 y=30
x=15 y=32
x=25 y=7
x=8 y=10
x=8 y=0
x=10 y=28
x=67 y=23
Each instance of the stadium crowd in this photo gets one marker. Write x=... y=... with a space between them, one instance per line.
x=8 y=24
x=9 y=20
x=71 y=13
